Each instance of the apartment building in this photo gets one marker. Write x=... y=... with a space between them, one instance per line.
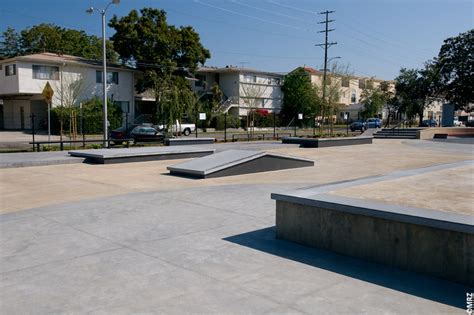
x=73 y=79
x=350 y=89
x=244 y=89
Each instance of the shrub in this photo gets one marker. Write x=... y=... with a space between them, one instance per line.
x=92 y=113
x=218 y=121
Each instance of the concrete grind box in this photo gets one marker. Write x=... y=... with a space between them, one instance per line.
x=444 y=253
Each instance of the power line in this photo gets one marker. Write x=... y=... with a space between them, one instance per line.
x=248 y=16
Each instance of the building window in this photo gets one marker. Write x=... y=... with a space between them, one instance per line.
x=112 y=77
x=45 y=72
x=362 y=84
x=201 y=80
x=10 y=70
x=250 y=78
x=369 y=85
x=124 y=105
x=345 y=82
x=276 y=81
x=353 y=96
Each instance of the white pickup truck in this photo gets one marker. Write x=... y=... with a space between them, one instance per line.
x=180 y=128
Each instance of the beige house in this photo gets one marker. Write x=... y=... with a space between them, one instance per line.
x=350 y=90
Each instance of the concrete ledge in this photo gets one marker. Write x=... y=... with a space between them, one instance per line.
x=236 y=162
x=327 y=142
x=110 y=156
x=429 y=133
x=422 y=240
x=189 y=141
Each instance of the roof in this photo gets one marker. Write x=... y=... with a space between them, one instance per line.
x=311 y=70
x=234 y=69
x=61 y=59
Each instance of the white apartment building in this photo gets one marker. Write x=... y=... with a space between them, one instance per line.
x=23 y=78
x=244 y=89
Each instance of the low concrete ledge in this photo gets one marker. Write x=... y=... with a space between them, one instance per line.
x=429 y=133
x=327 y=142
x=422 y=240
x=109 y=156
x=188 y=141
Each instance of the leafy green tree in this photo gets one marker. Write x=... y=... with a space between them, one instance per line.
x=414 y=90
x=455 y=69
x=299 y=95
x=166 y=55
x=52 y=38
x=374 y=99
x=10 y=44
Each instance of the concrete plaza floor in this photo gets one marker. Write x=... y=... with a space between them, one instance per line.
x=129 y=238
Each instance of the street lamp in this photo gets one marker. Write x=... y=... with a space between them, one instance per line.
x=104 y=72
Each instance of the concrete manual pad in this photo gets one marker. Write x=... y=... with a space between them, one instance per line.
x=107 y=156
x=236 y=162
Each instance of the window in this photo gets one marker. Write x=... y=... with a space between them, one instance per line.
x=353 y=96
x=112 y=77
x=345 y=82
x=45 y=72
x=369 y=85
x=276 y=81
x=362 y=84
x=250 y=78
x=10 y=70
x=201 y=80
x=124 y=105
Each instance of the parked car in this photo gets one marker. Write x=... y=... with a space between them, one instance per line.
x=139 y=133
x=179 y=128
x=121 y=133
x=373 y=123
x=457 y=123
x=358 y=125
x=429 y=123
x=145 y=134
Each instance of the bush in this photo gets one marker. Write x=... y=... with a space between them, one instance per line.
x=92 y=113
x=218 y=122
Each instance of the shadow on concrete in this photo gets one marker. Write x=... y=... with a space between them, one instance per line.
x=419 y=285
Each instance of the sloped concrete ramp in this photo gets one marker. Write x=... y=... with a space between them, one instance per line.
x=236 y=162
x=109 y=156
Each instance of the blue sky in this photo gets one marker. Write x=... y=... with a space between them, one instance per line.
x=375 y=37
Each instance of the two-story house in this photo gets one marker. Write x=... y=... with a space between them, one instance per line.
x=350 y=89
x=73 y=79
x=244 y=89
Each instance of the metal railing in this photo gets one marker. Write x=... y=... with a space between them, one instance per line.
x=260 y=136
x=399 y=125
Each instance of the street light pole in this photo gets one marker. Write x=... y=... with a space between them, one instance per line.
x=104 y=71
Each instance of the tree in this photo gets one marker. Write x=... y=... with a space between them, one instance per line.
x=414 y=90
x=166 y=55
x=10 y=45
x=455 y=67
x=299 y=95
x=374 y=99
x=55 y=39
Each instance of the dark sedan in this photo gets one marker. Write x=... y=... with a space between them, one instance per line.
x=145 y=134
x=358 y=125
x=429 y=123
x=138 y=133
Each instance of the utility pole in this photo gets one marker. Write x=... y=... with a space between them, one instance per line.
x=326 y=45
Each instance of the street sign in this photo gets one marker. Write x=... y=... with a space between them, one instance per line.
x=202 y=116
x=300 y=116
x=48 y=92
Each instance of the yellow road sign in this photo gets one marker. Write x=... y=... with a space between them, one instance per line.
x=48 y=92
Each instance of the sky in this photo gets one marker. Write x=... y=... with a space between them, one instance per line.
x=374 y=37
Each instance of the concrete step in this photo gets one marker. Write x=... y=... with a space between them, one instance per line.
x=377 y=136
